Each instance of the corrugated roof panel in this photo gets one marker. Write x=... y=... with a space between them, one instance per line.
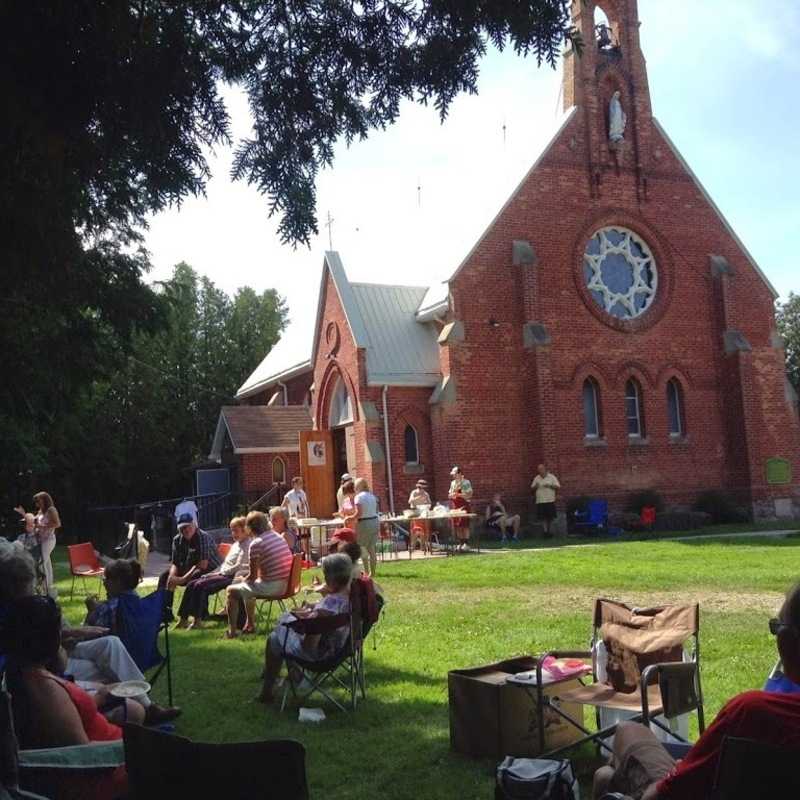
x=400 y=349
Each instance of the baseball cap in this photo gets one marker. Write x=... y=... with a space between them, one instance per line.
x=185 y=519
x=422 y=483
x=455 y=471
x=347 y=477
x=343 y=535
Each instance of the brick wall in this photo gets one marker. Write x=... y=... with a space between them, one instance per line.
x=296 y=391
x=255 y=469
x=516 y=407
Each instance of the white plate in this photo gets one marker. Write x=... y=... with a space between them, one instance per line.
x=130 y=689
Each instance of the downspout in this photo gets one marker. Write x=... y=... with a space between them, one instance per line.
x=285 y=392
x=388 y=450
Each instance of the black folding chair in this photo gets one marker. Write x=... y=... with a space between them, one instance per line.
x=345 y=668
x=139 y=621
x=164 y=765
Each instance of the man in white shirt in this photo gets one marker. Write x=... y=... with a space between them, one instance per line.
x=295 y=501
x=544 y=486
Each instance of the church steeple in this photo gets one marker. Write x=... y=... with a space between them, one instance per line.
x=608 y=82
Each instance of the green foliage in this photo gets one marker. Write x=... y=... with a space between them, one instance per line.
x=719 y=505
x=643 y=498
x=115 y=105
x=788 y=319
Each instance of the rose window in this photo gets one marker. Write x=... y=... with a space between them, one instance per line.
x=620 y=272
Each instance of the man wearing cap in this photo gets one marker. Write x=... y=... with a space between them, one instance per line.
x=460 y=494
x=346 y=478
x=420 y=497
x=193 y=554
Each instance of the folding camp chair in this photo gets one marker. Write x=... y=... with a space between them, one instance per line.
x=164 y=765
x=223 y=548
x=594 y=518
x=292 y=590
x=83 y=564
x=646 y=650
x=54 y=772
x=139 y=622
x=344 y=668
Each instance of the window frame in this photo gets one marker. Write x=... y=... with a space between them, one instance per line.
x=278 y=459
x=410 y=427
x=594 y=387
x=675 y=391
x=636 y=397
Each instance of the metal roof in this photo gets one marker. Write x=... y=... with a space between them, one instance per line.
x=400 y=350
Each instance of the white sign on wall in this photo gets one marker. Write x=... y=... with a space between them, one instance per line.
x=316 y=453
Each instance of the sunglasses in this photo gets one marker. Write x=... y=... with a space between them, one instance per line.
x=776 y=626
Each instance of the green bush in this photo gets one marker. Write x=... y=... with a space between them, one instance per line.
x=720 y=506
x=643 y=498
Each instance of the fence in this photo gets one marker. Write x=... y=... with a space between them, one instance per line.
x=107 y=526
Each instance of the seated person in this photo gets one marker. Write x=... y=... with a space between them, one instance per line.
x=337 y=569
x=642 y=768
x=92 y=656
x=279 y=522
x=499 y=519
x=268 y=573
x=419 y=495
x=121 y=576
x=48 y=710
x=236 y=565
x=194 y=553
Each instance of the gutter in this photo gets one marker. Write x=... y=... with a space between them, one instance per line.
x=388 y=449
x=285 y=392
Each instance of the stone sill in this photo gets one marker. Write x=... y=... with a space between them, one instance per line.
x=638 y=441
x=590 y=441
x=413 y=469
x=678 y=440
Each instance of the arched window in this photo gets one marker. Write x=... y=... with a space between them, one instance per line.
x=341 y=406
x=591 y=409
x=278 y=470
x=411 y=441
x=677 y=424
x=633 y=409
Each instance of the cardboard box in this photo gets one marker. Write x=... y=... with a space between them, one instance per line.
x=492 y=718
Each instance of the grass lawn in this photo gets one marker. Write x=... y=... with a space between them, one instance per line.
x=468 y=610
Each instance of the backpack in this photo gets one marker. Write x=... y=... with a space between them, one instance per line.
x=536 y=779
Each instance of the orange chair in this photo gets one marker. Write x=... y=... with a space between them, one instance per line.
x=223 y=548
x=420 y=529
x=292 y=590
x=648 y=518
x=83 y=564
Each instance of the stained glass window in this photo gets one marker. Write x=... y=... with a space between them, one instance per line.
x=620 y=272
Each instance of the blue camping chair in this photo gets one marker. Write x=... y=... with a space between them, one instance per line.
x=594 y=518
x=778 y=683
x=139 y=622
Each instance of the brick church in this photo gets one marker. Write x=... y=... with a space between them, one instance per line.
x=609 y=322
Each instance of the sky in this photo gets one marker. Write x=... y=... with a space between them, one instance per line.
x=724 y=77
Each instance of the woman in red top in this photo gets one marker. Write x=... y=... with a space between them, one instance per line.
x=48 y=710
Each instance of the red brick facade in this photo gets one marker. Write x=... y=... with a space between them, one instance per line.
x=515 y=399
x=256 y=470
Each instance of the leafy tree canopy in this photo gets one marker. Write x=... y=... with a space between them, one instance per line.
x=788 y=317
x=113 y=102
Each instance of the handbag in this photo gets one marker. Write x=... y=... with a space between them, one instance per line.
x=536 y=779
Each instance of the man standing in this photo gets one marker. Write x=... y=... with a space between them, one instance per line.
x=193 y=554
x=295 y=501
x=544 y=487
x=346 y=478
x=460 y=495
x=270 y=565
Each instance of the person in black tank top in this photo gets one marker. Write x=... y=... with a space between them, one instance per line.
x=500 y=520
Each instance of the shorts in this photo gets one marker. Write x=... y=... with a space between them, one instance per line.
x=642 y=764
x=546 y=511
x=255 y=589
x=367 y=532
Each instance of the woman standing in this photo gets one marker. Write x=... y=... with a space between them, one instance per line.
x=347 y=509
x=45 y=524
x=460 y=494
x=368 y=526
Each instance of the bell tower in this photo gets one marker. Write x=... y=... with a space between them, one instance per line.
x=608 y=83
